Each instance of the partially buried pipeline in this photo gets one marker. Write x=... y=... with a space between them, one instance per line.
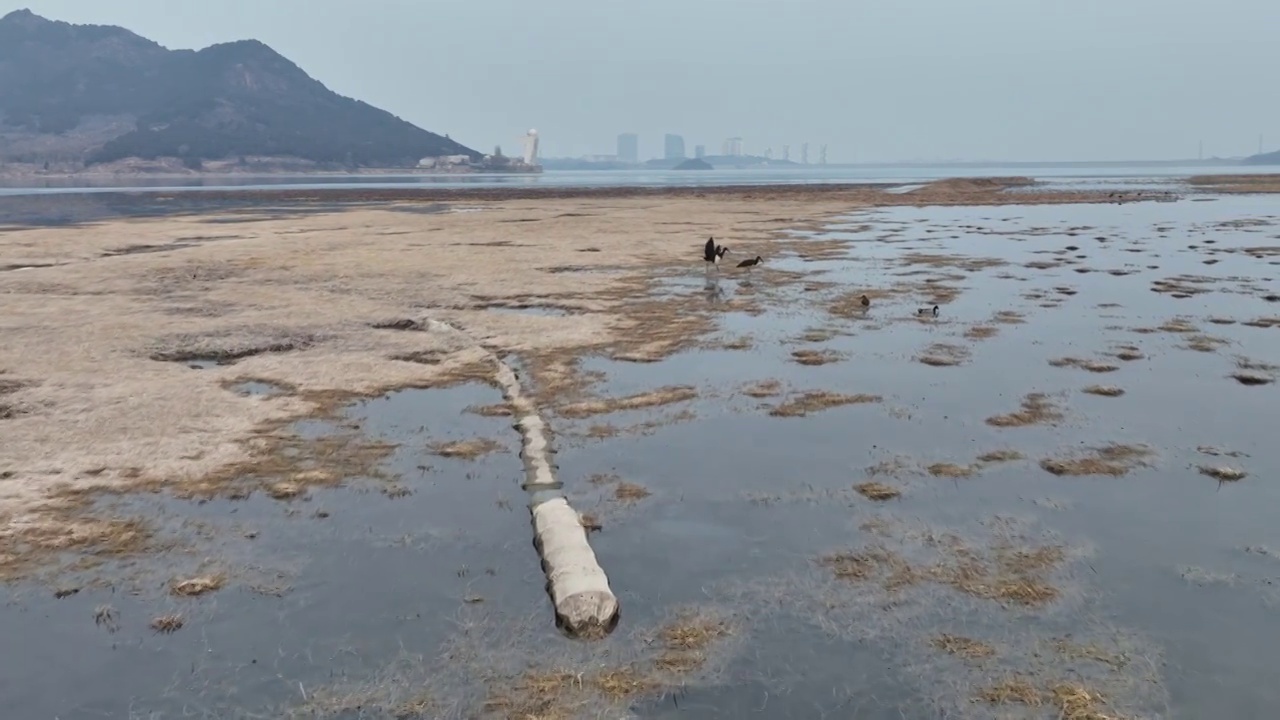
x=584 y=604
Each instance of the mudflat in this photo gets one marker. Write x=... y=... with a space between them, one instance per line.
x=322 y=292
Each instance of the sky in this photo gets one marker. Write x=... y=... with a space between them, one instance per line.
x=874 y=80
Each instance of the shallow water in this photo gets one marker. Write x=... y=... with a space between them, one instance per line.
x=742 y=503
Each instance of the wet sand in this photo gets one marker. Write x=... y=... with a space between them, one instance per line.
x=1006 y=560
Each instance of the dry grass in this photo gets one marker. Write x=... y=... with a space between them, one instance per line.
x=877 y=491
x=495 y=410
x=951 y=470
x=817 y=401
x=630 y=492
x=166 y=624
x=1094 y=366
x=1000 y=456
x=196 y=586
x=762 y=389
x=1223 y=474
x=981 y=332
x=1252 y=377
x=1104 y=390
x=1011 y=690
x=1128 y=353
x=964 y=647
x=816 y=357
x=943 y=355
x=1114 y=460
x=1205 y=343
x=466 y=449
x=654 y=398
x=1006 y=573
x=72 y=529
x=1069 y=700
x=677 y=650
x=1009 y=317
x=1036 y=410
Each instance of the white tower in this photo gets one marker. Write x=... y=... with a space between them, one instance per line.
x=531 y=148
x=822 y=155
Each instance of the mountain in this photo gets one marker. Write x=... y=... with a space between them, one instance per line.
x=89 y=94
x=1271 y=158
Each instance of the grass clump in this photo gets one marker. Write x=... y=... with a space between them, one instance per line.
x=816 y=357
x=1036 y=409
x=762 y=389
x=943 y=355
x=639 y=401
x=1114 y=460
x=951 y=470
x=1110 y=391
x=1223 y=474
x=809 y=402
x=1000 y=456
x=964 y=647
x=197 y=586
x=1093 y=366
x=630 y=492
x=166 y=624
x=877 y=491
x=466 y=449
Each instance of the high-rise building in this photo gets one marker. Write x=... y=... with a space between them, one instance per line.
x=629 y=148
x=732 y=147
x=699 y=151
x=804 y=153
x=673 y=147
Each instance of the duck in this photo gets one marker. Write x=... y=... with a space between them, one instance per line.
x=753 y=261
x=712 y=253
x=927 y=311
x=866 y=301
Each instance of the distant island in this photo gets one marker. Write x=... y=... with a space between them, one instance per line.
x=694 y=164
x=103 y=100
x=1271 y=158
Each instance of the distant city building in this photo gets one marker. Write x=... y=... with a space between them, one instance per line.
x=768 y=153
x=673 y=147
x=804 y=154
x=786 y=152
x=822 y=155
x=699 y=151
x=732 y=147
x=629 y=147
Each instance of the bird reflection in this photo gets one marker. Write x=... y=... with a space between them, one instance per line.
x=712 y=290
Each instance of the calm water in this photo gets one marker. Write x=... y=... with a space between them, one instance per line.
x=442 y=591
x=1070 y=175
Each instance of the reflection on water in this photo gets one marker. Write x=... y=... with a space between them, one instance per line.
x=1165 y=579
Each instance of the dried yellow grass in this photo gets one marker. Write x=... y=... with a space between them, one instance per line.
x=877 y=491
x=1115 y=460
x=1036 y=409
x=943 y=355
x=817 y=401
x=1094 y=366
x=196 y=586
x=951 y=470
x=639 y=401
x=1000 y=456
x=1104 y=390
x=166 y=624
x=762 y=389
x=466 y=449
x=964 y=647
x=816 y=357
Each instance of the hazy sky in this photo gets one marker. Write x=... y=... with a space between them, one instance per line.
x=877 y=80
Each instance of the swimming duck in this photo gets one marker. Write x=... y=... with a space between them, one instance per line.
x=927 y=311
x=866 y=301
